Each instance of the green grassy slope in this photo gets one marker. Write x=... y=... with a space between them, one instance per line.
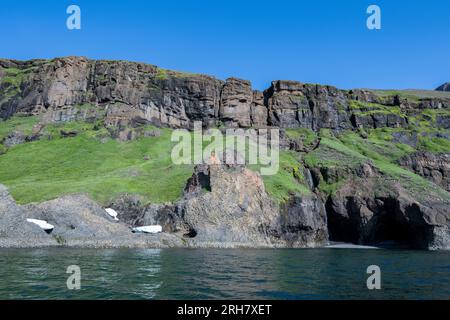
x=46 y=169
x=104 y=168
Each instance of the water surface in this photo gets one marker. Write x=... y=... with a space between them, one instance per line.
x=223 y=274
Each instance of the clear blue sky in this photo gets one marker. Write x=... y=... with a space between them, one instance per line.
x=311 y=41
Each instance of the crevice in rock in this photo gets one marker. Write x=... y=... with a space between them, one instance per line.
x=192 y=233
x=200 y=181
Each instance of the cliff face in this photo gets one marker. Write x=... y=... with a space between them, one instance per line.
x=137 y=92
x=364 y=166
x=129 y=91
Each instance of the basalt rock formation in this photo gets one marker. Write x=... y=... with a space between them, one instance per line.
x=128 y=92
x=230 y=205
x=435 y=167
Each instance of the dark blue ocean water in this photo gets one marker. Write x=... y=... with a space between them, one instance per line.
x=223 y=274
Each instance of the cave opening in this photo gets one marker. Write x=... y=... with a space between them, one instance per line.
x=387 y=227
x=204 y=181
x=192 y=233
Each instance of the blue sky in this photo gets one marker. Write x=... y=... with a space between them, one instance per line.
x=310 y=41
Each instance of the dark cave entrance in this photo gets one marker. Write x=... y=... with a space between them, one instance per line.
x=388 y=226
x=201 y=181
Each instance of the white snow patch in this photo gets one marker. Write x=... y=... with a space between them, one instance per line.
x=112 y=213
x=148 y=229
x=42 y=224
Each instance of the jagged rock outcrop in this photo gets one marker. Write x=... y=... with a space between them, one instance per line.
x=434 y=167
x=14 y=138
x=293 y=105
x=221 y=207
x=444 y=87
x=228 y=206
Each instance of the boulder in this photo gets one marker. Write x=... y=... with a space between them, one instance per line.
x=14 y=138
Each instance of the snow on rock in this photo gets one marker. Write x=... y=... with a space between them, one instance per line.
x=42 y=224
x=148 y=229
x=112 y=213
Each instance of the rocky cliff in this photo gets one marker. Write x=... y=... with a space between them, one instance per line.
x=130 y=92
x=360 y=166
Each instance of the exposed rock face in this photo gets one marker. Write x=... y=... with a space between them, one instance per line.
x=129 y=93
x=258 y=110
x=367 y=209
x=303 y=221
x=444 y=87
x=78 y=221
x=355 y=215
x=228 y=206
x=13 y=226
x=236 y=100
x=378 y=120
x=293 y=104
x=222 y=206
x=434 y=167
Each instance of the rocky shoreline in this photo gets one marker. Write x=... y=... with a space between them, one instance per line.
x=81 y=222
x=233 y=212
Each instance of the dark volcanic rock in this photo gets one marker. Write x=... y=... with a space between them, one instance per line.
x=359 y=215
x=228 y=206
x=434 y=167
x=235 y=103
x=129 y=208
x=293 y=105
x=303 y=220
x=129 y=93
x=444 y=87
